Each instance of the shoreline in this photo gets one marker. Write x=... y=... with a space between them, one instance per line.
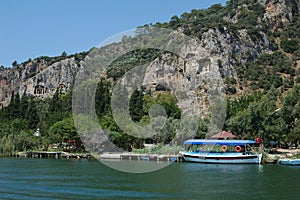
x=103 y=156
x=272 y=157
x=48 y=154
x=279 y=153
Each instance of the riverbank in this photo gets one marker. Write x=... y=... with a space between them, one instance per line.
x=140 y=157
x=276 y=154
x=271 y=157
x=52 y=154
x=104 y=156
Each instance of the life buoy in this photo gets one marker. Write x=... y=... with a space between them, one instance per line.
x=224 y=148
x=238 y=148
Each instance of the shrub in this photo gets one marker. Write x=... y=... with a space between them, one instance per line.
x=290 y=46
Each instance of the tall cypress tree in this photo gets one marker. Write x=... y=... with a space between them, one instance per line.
x=55 y=104
x=32 y=114
x=99 y=99
x=23 y=105
x=17 y=106
x=11 y=108
x=136 y=105
x=102 y=98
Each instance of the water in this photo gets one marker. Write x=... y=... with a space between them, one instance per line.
x=89 y=179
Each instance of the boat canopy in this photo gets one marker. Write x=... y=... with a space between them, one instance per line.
x=219 y=142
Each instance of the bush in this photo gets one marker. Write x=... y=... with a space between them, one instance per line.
x=290 y=46
x=296 y=55
x=230 y=90
x=230 y=81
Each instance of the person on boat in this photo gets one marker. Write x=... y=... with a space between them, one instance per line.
x=259 y=141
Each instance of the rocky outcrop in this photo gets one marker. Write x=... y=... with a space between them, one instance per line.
x=188 y=78
x=37 y=79
x=278 y=14
x=231 y=49
x=222 y=50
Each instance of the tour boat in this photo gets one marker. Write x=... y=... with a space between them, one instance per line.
x=221 y=151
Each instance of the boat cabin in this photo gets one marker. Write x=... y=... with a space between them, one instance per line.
x=219 y=146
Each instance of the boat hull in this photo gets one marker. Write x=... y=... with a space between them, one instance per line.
x=290 y=162
x=220 y=158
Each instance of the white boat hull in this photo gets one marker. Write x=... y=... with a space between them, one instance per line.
x=289 y=161
x=228 y=158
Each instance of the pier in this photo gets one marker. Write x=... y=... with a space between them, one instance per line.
x=53 y=154
x=104 y=156
x=141 y=157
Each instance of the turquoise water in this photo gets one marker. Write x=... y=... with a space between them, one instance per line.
x=89 y=179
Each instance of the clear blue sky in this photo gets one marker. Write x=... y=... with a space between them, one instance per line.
x=33 y=28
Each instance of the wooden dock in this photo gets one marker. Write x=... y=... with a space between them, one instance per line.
x=141 y=157
x=104 y=156
x=55 y=154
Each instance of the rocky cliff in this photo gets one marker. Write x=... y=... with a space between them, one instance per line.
x=227 y=48
x=278 y=14
x=38 y=79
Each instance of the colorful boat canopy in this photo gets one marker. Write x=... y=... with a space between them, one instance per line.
x=219 y=142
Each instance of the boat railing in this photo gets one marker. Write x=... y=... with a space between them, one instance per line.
x=245 y=149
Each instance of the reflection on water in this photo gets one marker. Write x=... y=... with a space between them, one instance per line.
x=134 y=166
x=260 y=168
x=87 y=179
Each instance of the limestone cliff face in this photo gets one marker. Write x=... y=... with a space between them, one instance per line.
x=232 y=49
x=37 y=79
x=225 y=49
x=200 y=75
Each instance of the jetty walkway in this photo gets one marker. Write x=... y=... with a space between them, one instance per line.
x=53 y=154
x=104 y=156
x=140 y=157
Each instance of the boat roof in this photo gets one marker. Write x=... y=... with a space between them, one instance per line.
x=219 y=142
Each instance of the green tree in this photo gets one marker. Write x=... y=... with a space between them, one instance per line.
x=55 y=102
x=136 y=105
x=64 y=54
x=32 y=114
x=17 y=106
x=294 y=136
x=174 y=21
x=62 y=131
x=24 y=105
x=13 y=108
x=102 y=98
x=169 y=102
x=290 y=45
x=290 y=107
x=14 y=64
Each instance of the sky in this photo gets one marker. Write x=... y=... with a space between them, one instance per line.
x=33 y=28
